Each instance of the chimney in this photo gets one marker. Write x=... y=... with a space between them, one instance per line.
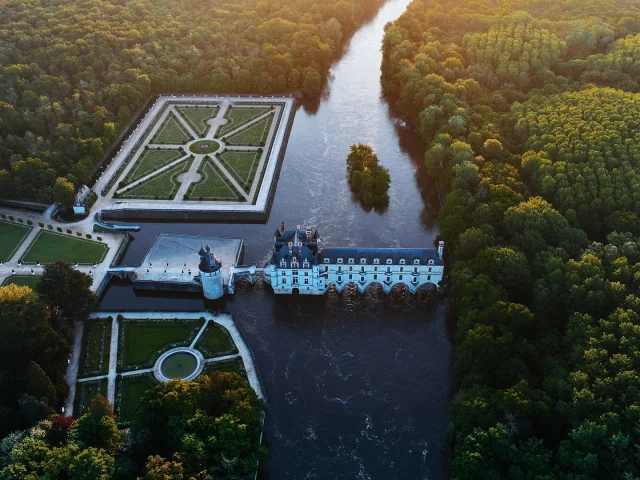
x=440 y=249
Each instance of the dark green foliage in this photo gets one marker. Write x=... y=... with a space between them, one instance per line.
x=367 y=179
x=31 y=353
x=212 y=423
x=69 y=293
x=86 y=66
x=538 y=166
x=39 y=384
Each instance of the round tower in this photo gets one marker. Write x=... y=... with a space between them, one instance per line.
x=210 y=274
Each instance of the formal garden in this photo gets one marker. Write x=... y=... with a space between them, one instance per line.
x=86 y=392
x=96 y=347
x=50 y=247
x=11 y=236
x=213 y=151
x=145 y=345
x=213 y=185
x=142 y=341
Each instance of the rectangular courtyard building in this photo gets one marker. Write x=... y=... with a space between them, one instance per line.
x=299 y=265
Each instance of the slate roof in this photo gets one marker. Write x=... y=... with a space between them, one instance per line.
x=208 y=262
x=395 y=254
x=288 y=255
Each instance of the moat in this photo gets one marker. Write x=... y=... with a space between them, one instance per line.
x=357 y=386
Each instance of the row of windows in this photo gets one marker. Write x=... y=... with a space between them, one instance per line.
x=375 y=269
x=376 y=261
x=294 y=280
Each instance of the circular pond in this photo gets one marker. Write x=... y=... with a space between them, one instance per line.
x=204 y=146
x=179 y=365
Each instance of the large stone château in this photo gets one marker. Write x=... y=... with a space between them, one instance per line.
x=299 y=265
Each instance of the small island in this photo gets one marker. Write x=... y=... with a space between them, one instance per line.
x=368 y=180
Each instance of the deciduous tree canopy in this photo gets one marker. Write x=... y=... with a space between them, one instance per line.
x=72 y=73
x=542 y=215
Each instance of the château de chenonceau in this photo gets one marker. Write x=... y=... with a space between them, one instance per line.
x=300 y=266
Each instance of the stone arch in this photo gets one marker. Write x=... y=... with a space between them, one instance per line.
x=427 y=291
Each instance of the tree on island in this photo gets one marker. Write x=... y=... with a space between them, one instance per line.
x=367 y=179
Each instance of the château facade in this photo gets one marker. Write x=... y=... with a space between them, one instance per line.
x=299 y=265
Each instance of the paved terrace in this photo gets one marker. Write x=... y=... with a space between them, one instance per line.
x=172 y=257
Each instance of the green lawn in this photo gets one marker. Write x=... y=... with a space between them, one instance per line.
x=23 y=281
x=50 y=247
x=171 y=132
x=242 y=165
x=213 y=185
x=163 y=186
x=130 y=390
x=238 y=116
x=96 y=345
x=85 y=393
x=215 y=341
x=143 y=341
x=11 y=236
x=232 y=366
x=255 y=135
x=151 y=160
x=197 y=117
x=204 y=146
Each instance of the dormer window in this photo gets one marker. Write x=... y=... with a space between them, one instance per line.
x=283 y=263
x=326 y=260
x=430 y=262
x=402 y=261
x=416 y=262
x=305 y=263
x=294 y=263
x=299 y=244
x=363 y=261
x=350 y=260
x=290 y=244
x=376 y=261
x=389 y=261
x=340 y=260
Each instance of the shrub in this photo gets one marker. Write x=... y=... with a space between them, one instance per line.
x=69 y=231
x=20 y=220
x=50 y=227
x=41 y=225
x=79 y=234
x=100 y=239
x=11 y=217
x=88 y=236
x=29 y=222
x=59 y=229
x=3 y=215
x=200 y=198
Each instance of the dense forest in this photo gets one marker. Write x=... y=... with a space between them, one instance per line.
x=530 y=111
x=72 y=73
x=204 y=429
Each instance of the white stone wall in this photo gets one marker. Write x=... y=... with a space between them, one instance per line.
x=316 y=281
x=212 y=284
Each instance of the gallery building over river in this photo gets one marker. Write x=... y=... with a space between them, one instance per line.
x=299 y=265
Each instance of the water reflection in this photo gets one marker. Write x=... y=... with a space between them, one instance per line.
x=358 y=384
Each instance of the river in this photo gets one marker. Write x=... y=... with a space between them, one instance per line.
x=358 y=386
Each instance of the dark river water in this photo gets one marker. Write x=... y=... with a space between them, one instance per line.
x=357 y=386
